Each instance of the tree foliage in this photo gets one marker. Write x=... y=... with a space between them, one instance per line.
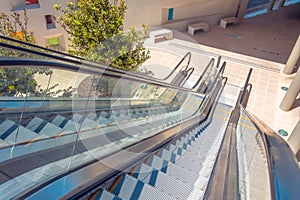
x=96 y=33
x=16 y=81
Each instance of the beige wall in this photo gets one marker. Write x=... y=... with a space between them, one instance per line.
x=37 y=21
x=155 y=12
x=150 y=12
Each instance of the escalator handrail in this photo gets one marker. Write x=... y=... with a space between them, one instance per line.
x=246 y=85
x=283 y=166
x=83 y=65
x=39 y=47
x=211 y=63
x=81 y=61
x=190 y=123
x=95 y=71
x=189 y=72
x=220 y=72
x=39 y=53
x=188 y=54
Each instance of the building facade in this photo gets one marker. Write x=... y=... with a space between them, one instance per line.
x=41 y=20
x=173 y=14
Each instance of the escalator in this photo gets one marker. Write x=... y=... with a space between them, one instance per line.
x=53 y=136
x=120 y=135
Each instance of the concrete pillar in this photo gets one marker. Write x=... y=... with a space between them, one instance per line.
x=271 y=5
x=292 y=93
x=281 y=4
x=294 y=56
x=241 y=9
x=294 y=139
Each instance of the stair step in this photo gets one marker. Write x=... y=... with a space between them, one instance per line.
x=9 y=130
x=104 y=195
x=176 y=171
x=129 y=188
x=43 y=127
x=168 y=155
x=167 y=184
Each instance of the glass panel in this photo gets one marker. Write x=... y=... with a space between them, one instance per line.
x=66 y=118
x=256 y=3
x=253 y=174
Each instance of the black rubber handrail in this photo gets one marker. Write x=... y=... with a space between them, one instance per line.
x=79 y=60
x=246 y=85
x=95 y=71
x=83 y=65
x=211 y=63
x=282 y=163
x=220 y=72
x=188 y=54
x=21 y=62
x=39 y=47
x=189 y=72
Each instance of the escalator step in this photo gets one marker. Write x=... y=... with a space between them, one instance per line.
x=104 y=195
x=130 y=188
x=167 y=184
x=43 y=127
x=9 y=130
x=167 y=155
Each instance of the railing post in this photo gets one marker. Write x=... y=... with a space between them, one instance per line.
x=241 y=9
x=218 y=61
x=281 y=4
x=271 y=5
x=292 y=93
x=294 y=56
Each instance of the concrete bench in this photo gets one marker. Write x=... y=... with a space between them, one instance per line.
x=198 y=27
x=161 y=35
x=228 y=20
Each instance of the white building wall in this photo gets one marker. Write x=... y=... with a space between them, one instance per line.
x=155 y=12
x=148 y=12
x=37 y=21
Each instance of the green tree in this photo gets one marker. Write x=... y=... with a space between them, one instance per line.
x=96 y=30
x=15 y=81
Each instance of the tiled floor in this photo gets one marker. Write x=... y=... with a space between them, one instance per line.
x=266 y=78
x=270 y=36
x=264 y=44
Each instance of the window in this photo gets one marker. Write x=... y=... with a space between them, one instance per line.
x=53 y=42
x=29 y=2
x=170 y=14
x=50 y=22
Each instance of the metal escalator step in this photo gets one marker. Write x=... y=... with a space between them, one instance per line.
x=168 y=155
x=167 y=184
x=88 y=124
x=92 y=116
x=158 y=163
x=189 y=163
x=3 y=143
x=66 y=124
x=9 y=130
x=176 y=149
x=103 y=195
x=43 y=127
x=175 y=171
x=130 y=188
x=10 y=127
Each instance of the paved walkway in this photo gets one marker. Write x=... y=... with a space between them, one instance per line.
x=270 y=36
x=266 y=78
